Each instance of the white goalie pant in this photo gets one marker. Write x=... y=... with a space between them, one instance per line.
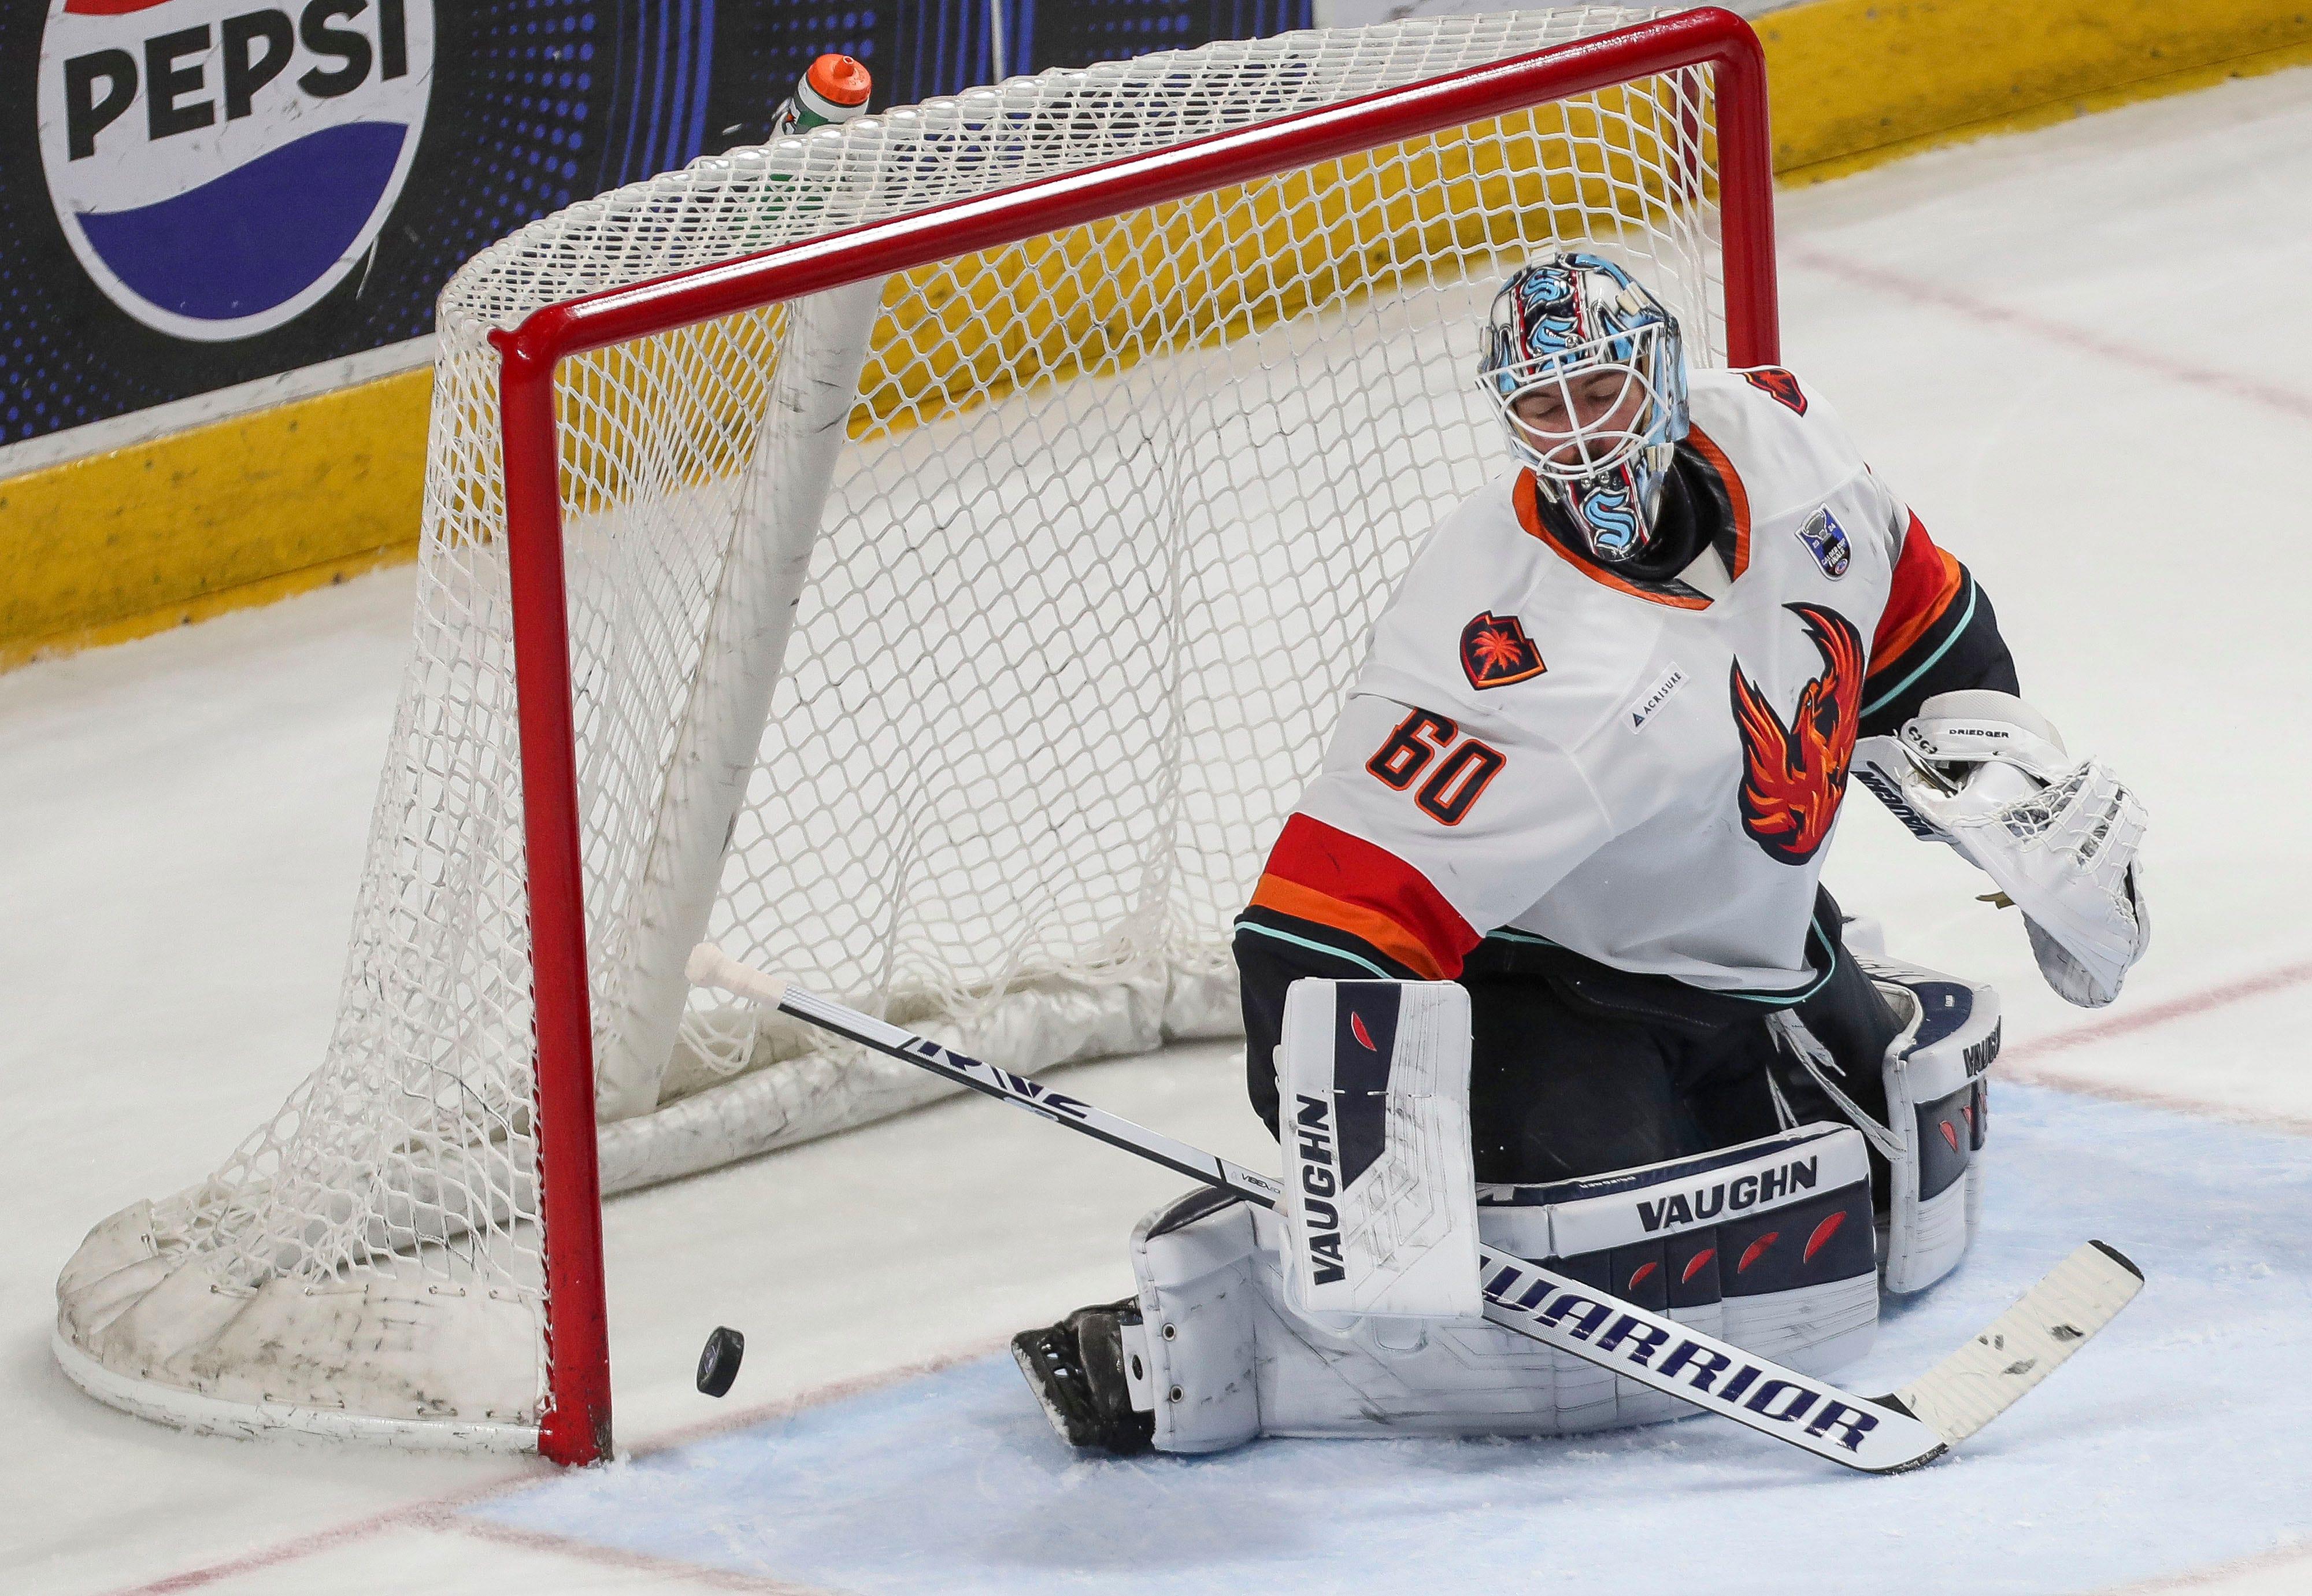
x=1768 y=1245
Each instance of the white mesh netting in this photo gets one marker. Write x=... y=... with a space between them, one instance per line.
x=1115 y=508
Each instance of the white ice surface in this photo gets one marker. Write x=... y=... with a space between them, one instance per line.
x=2081 y=353
x=954 y=1483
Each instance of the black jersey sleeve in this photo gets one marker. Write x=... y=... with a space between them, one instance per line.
x=1272 y=950
x=1938 y=634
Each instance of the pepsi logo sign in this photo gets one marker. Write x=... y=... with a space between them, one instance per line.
x=219 y=165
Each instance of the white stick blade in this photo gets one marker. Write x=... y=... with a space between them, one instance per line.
x=2023 y=1345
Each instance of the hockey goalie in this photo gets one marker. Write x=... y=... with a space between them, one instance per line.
x=1542 y=956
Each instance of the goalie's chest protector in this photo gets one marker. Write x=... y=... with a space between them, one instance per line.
x=1671 y=760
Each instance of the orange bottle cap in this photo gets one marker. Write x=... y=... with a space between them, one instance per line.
x=840 y=79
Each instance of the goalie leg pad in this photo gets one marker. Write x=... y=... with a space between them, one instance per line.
x=1768 y=1245
x=1937 y=1106
x=1381 y=1206
x=1191 y=1358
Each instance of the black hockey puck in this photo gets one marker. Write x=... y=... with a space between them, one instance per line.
x=718 y=1360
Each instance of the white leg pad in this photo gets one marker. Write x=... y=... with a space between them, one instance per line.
x=1768 y=1245
x=1937 y=1109
x=1192 y=1261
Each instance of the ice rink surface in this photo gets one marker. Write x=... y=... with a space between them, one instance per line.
x=2081 y=353
x=954 y=1483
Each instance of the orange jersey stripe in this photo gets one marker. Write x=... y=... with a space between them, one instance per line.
x=1373 y=927
x=1737 y=494
x=1321 y=873
x=1926 y=580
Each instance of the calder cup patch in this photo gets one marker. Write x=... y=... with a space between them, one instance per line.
x=1828 y=541
x=219 y=165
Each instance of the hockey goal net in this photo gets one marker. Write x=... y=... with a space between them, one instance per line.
x=923 y=556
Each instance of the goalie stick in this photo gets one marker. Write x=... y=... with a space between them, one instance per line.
x=1887 y=1434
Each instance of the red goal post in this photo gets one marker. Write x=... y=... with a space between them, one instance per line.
x=575 y=1425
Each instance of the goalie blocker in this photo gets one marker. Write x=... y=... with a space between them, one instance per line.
x=1380 y=1208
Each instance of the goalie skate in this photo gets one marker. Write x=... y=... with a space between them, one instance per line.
x=1076 y=1370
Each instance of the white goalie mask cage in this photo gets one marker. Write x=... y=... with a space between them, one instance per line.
x=1644 y=358
x=943 y=609
x=1588 y=370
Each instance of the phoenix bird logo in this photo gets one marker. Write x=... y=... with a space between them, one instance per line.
x=1794 y=775
x=1496 y=651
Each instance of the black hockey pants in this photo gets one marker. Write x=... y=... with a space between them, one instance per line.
x=1578 y=1070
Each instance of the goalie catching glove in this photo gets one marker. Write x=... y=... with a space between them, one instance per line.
x=1987 y=774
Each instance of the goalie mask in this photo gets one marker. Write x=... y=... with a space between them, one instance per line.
x=1587 y=369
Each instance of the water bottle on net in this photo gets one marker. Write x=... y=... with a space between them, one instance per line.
x=833 y=89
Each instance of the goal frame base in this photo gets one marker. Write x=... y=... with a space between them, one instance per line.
x=252 y=1421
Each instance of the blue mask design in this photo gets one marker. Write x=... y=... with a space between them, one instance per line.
x=1556 y=322
x=1607 y=517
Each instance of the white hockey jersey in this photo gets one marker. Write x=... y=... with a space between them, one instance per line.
x=1647 y=775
